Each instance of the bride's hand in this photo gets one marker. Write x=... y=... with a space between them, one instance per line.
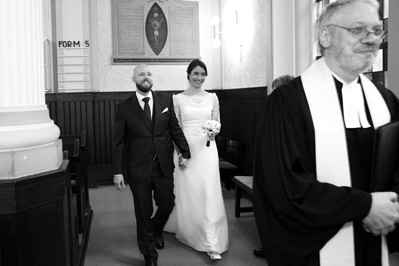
x=182 y=162
x=211 y=137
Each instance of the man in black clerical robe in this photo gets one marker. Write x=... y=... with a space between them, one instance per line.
x=296 y=213
x=289 y=202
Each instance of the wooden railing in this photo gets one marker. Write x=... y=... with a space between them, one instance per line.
x=94 y=112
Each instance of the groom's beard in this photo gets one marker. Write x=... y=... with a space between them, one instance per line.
x=144 y=88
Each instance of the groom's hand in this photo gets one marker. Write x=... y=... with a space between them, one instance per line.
x=182 y=162
x=119 y=182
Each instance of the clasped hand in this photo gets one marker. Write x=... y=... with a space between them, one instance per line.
x=383 y=214
x=182 y=162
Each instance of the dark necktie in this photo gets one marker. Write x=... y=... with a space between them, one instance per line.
x=147 y=111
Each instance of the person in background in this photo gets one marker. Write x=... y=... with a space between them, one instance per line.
x=199 y=217
x=313 y=198
x=146 y=128
x=277 y=82
x=281 y=80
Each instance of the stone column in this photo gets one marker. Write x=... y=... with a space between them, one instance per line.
x=29 y=141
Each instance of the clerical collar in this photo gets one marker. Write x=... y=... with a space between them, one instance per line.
x=353 y=104
x=343 y=82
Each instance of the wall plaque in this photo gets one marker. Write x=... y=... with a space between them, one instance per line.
x=154 y=31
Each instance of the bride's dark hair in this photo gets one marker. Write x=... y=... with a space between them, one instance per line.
x=194 y=64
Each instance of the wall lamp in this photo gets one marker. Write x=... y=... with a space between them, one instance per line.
x=216 y=42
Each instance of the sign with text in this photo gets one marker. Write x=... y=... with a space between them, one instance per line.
x=73 y=44
x=154 y=31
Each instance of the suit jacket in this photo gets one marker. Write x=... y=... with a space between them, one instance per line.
x=141 y=139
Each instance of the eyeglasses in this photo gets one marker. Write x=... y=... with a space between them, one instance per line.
x=361 y=32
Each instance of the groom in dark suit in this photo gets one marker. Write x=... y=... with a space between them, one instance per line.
x=145 y=129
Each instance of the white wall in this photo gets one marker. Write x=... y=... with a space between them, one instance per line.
x=244 y=54
x=272 y=38
x=166 y=77
x=393 y=47
x=259 y=41
x=283 y=37
x=292 y=37
x=303 y=35
x=244 y=43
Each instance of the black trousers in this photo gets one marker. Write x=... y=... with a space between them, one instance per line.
x=159 y=187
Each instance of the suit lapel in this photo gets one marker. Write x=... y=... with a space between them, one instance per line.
x=156 y=108
x=161 y=112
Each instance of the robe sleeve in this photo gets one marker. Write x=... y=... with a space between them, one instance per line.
x=295 y=214
x=393 y=105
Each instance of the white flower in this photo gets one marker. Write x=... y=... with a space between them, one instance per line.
x=212 y=127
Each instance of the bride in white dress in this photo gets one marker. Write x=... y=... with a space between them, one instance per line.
x=199 y=217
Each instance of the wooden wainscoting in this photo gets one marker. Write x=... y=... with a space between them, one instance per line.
x=94 y=112
x=239 y=114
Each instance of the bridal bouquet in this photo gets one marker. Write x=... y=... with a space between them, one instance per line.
x=211 y=128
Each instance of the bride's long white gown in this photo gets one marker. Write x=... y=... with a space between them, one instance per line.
x=199 y=217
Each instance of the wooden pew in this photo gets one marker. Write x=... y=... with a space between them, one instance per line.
x=243 y=187
x=228 y=164
x=76 y=147
x=70 y=147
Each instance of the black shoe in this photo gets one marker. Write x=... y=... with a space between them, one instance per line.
x=159 y=243
x=258 y=252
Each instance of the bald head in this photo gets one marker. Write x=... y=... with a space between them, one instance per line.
x=142 y=76
x=140 y=68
